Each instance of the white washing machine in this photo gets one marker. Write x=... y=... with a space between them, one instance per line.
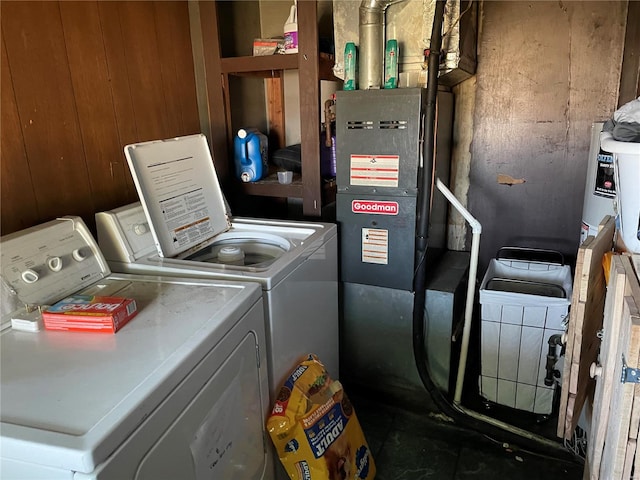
x=182 y=227
x=180 y=391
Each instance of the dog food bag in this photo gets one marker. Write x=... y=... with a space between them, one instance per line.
x=315 y=429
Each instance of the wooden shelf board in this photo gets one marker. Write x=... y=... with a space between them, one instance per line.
x=270 y=187
x=266 y=63
x=272 y=65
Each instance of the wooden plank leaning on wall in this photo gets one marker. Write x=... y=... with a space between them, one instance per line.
x=587 y=306
x=613 y=439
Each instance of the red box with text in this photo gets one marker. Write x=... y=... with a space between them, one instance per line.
x=88 y=313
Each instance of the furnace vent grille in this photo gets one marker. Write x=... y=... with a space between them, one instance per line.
x=358 y=125
x=382 y=125
x=395 y=124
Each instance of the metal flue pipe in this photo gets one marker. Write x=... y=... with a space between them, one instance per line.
x=371 y=38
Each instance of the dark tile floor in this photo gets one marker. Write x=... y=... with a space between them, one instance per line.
x=408 y=445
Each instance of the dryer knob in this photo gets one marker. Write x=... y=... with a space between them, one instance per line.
x=30 y=276
x=140 y=228
x=78 y=255
x=55 y=264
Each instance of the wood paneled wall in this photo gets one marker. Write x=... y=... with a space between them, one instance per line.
x=80 y=80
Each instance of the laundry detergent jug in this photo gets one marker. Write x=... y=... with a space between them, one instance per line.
x=250 y=155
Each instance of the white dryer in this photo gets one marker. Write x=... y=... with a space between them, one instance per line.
x=179 y=392
x=182 y=228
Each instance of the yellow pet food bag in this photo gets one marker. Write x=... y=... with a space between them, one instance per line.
x=315 y=429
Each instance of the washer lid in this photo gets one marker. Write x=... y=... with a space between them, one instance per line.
x=179 y=192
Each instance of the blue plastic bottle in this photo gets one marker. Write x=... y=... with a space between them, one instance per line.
x=250 y=155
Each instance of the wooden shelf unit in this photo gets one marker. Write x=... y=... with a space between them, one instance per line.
x=311 y=67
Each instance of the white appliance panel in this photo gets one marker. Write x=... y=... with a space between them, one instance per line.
x=128 y=246
x=47 y=262
x=75 y=359
x=70 y=400
x=300 y=288
x=302 y=323
x=219 y=432
x=180 y=192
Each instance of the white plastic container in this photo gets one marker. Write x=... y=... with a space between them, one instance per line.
x=515 y=330
x=285 y=177
x=599 y=190
x=627 y=175
x=291 y=31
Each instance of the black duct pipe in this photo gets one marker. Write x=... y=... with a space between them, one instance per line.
x=529 y=442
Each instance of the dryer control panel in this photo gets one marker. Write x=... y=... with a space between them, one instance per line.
x=45 y=263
